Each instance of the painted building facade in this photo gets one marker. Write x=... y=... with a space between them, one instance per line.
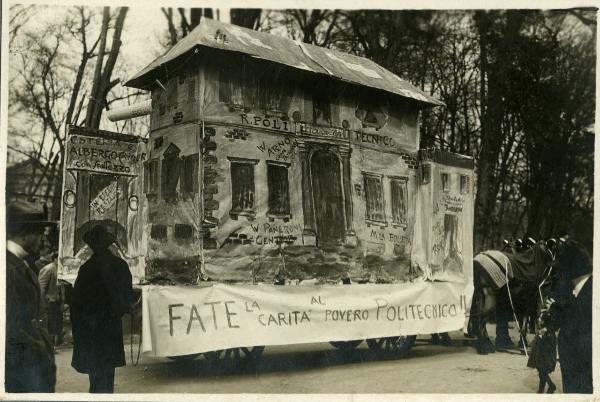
x=261 y=169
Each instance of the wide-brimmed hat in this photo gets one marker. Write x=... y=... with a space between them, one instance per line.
x=98 y=237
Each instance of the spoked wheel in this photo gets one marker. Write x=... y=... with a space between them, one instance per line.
x=346 y=346
x=399 y=345
x=185 y=358
x=236 y=355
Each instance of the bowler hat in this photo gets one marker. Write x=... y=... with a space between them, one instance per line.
x=99 y=238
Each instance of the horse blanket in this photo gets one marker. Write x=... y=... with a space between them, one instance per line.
x=496 y=264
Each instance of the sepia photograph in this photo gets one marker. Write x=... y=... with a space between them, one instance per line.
x=309 y=201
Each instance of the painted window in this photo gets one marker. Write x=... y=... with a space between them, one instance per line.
x=158 y=232
x=171 y=164
x=231 y=82
x=242 y=186
x=255 y=88
x=279 y=192
x=374 y=197
x=399 y=190
x=160 y=100
x=268 y=89
x=445 y=178
x=183 y=232
x=191 y=84
x=425 y=174
x=189 y=174
x=464 y=184
x=172 y=97
x=151 y=177
x=321 y=107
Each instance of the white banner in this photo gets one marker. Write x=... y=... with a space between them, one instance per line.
x=186 y=320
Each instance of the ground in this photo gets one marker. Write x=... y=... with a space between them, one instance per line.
x=319 y=368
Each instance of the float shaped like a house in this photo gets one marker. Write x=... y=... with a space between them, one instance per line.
x=272 y=159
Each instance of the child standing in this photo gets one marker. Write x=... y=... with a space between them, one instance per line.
x=543 y=353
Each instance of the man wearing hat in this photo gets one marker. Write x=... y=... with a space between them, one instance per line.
x=29 y=360
x=102 y=294
x=573 y=309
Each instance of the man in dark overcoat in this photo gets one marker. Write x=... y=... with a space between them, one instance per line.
x=101 y=296
x=29 y=359
x=573 y=310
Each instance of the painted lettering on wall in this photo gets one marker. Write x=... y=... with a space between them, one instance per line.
x=375 y=139
x=274 y=123
x=388 y=237
x=272 y=233
x=452 y=203
x=370 y=140
x=281 y=151
x=325 y=132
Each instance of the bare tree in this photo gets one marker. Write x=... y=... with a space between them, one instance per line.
x=188 y=20
x=19 y=16
x=54 y=87
x=317 y=27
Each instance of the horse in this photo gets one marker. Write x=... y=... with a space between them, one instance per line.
x=507 y=283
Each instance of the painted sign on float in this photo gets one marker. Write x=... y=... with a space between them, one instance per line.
x=184 y=320
x=106 y=155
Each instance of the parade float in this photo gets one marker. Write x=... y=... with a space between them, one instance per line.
x=280 y=197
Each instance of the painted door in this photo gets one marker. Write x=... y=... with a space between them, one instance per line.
x=102 y=200
x=327 y=197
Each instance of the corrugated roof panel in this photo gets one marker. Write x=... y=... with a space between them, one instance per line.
x=218 y=35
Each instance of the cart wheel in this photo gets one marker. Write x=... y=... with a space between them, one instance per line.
x=185 y=358
x=392 y=345
x=251 y=354
x=345 y=346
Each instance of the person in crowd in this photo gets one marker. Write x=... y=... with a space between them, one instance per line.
x=52 y=299
x=101 y=296
x=47 y=250
x=572 y=306
x=543 y=352
x=29 y=359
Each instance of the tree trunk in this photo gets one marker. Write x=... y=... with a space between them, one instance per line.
x=102 y=77
x=94 y=100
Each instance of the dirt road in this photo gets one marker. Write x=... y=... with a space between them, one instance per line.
x=319 y=368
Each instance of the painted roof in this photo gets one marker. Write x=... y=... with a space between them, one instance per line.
x=218 y=35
